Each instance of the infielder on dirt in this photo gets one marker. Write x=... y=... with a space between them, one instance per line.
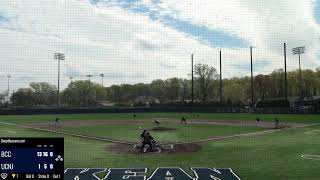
x=56 y=121
x=183 y=120
x=156 y=122
x=257 y=122
x=276 y=123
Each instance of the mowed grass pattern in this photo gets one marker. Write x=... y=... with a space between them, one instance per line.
x=264 y=157
x=301 y=118
x=183 y=132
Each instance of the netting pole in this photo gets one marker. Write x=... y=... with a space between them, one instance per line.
x=285 y=71
x=220 y=78
x=252 y=98
x=192 y=87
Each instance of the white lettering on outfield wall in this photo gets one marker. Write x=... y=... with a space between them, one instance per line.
x=162 y=173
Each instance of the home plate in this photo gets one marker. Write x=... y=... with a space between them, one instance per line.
x=167 y=147
x=164 y=147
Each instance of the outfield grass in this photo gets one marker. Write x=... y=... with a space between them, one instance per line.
x=301 y=118
x=269 y=156
x=183 y=132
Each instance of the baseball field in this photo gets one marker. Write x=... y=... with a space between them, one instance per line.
x=253 y=150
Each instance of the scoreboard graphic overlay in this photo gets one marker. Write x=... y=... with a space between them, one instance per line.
x=32 y=158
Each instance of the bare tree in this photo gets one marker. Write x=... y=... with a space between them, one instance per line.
x=204 y=75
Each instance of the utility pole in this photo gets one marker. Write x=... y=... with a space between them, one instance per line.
x=285 y=71
x=59 y=57
x=192 y=88
x=252 y=98
x=220 y=78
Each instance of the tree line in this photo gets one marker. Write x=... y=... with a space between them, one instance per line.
x=236 y=90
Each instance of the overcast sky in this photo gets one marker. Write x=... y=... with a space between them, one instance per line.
x=134 y=41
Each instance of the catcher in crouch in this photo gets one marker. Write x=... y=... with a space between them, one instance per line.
x=147 y=139
x=143 y=134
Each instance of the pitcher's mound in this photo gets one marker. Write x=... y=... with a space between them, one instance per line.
x=163 y=129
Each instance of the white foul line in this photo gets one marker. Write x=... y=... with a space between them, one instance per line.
x=307 y=125
x=10 y=131
x=312 y=132
x=310 y=156
x=70 y=134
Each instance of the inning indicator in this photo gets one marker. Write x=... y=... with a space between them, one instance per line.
x=32 y=158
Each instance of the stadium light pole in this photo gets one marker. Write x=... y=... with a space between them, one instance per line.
x=252 y=98
x=102 y=76
x=59 y=57
x=89 y=76
x=192 y=88
x=220 y=77
x=299 y=50
x=285 y=71
x=70 y=78
x=8 y=76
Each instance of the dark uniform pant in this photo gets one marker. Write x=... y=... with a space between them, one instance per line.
x=145 y=143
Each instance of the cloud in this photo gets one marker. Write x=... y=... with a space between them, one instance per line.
x=4 y=19
x=95 y=40
x=145 y=40
x=149 y=46
x=214 y=38
x=258 y=65
x=264 y=24
x=153 y=10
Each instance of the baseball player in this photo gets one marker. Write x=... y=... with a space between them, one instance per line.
x=157 y=122
x=183 y=120
x=257 y=122
x=276 y=123
x=147 y=140
x=56 y=122
x=143 y=134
